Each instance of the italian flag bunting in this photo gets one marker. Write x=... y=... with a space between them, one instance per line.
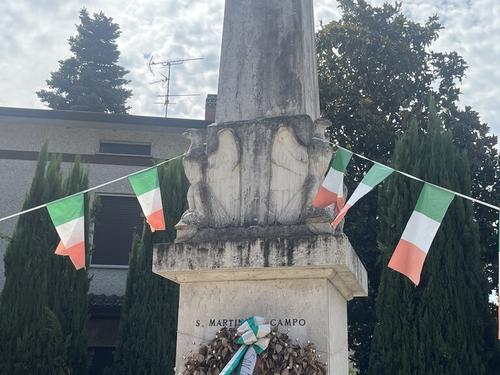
x=146 y=186
x=332 y=188
x=67 y=215
x=375 y=176
x=409 y=256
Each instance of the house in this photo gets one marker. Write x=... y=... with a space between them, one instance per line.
x=110 y=146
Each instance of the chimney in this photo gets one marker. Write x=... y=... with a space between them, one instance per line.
x=210 y=107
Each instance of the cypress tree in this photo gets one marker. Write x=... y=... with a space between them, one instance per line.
x=439 y=326
x=376 y=65
x=69 y=291
x=147 y=338
x=32 y=338
x=43 y=304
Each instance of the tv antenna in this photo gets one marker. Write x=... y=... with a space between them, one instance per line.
x=166 y=78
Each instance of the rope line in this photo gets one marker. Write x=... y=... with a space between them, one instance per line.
x=180 y=156
x=419 y=179
x=92 y=188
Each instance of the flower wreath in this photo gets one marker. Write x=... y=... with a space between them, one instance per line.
x=281 y=356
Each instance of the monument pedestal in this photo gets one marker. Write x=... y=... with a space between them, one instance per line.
x=251 y=243
x=300 y=285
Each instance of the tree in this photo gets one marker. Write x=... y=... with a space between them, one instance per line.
x=149 y=317
x=43 y=304
x=69 y=288
x=439 y=326
x=90 y=80
x=376 y=69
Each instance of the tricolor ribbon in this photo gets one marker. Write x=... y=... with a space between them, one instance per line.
x=252 y=338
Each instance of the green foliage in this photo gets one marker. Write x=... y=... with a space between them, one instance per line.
x=44 y=301
x=90 y=80
x=376 y=70
x=148 y=326
x=439 y=326
x=68 y=294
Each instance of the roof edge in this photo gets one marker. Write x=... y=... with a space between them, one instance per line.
x=64 y=115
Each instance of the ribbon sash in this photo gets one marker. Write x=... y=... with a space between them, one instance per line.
x=235 y=361
x=253 y=341
x=249 y=361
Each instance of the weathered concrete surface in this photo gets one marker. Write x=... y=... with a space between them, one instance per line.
x=301 y=284
x=81 y=138
x=251 y=243
x=268 y=60
x=309 y=309
x=321 y=257
x=258 y=172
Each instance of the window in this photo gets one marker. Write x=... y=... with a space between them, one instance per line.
x=125 y=148
x=118 y=218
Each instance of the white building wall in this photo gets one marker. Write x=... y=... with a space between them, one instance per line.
x=75 y=138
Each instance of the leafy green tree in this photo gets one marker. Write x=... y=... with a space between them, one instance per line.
x=439 y=326
x=91 y=79
x=376 y=69
x=44 y=301
x=149 y=317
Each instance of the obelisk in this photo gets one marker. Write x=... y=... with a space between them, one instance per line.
x=268 y=61
x=251 y=244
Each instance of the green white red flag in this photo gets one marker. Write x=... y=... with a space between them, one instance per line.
x=412 y=249
x=375 y=176
x=68 y=217
x=332 y=188
x=146 y=187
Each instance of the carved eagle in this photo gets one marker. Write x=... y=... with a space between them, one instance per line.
x=223 y=179
x=289 y=171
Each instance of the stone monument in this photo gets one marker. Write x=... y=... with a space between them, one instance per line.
x=251 y=243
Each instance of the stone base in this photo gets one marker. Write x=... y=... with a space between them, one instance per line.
x=308 y=309
x=300 y=285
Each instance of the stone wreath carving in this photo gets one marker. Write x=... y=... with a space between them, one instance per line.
x=282 y=356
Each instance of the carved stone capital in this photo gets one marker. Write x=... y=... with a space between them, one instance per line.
x=259 y=173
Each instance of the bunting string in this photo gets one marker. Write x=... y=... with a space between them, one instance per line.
x=433 y=202
x=92 y=188
x=182 y=155
x=420 y=180
x=146 y=186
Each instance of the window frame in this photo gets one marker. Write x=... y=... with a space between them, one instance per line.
x=91 y=239
x=101 y=141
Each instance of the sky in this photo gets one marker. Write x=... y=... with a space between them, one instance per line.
x=34 y=33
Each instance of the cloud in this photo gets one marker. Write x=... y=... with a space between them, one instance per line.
x=34 y=33
x=472 y=28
